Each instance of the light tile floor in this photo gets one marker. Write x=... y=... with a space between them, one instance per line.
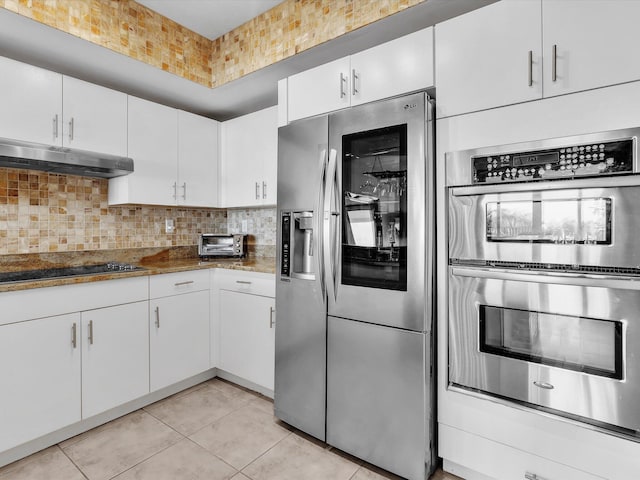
x=213 y=431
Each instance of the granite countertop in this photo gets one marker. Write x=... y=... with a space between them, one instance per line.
x=151 y=261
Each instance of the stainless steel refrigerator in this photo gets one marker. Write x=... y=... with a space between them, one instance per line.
x=354 y=340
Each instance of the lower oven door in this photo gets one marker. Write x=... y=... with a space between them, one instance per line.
x=560 y=342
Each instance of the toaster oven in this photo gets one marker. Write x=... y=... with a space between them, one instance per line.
x=222 y=245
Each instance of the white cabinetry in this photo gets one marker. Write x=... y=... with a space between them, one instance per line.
x=244 y=321
x=519 y=50
x=175 y=158
x=393 y=68
x=179 y=326
x=46 y=107
x=40 y=377
x=115 y=356
x=250 y=159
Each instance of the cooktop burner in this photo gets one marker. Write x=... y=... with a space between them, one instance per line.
x=23 y=276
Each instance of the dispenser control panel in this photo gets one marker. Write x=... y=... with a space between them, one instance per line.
x=583 y=160
x=285 y=261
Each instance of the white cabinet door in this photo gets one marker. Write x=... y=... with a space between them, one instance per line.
x=249 y=159
x=197 y=160
x=94 y=117
x=31 y=100
x=153 y=145
x=319 y=90
x=393 y=68
x=596 y=44
x=247 y=336
x=482 y=57
x=179 y=337
x=115 y=356
x=40 y=378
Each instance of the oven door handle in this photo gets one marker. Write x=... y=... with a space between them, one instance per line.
x=511 y=187
x=560 y=278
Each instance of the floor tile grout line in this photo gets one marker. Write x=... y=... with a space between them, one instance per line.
x=214 y=455
x=72 y=462
x=264 y=453
x=147 y=458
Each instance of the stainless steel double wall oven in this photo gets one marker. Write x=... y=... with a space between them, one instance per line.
x=544 y=276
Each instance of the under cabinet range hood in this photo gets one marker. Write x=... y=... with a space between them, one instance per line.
x=35 y=156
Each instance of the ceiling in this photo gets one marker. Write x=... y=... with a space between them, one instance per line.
x=210 y=18
x=32 y=42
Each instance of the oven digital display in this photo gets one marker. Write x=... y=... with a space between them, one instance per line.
x=535 y=159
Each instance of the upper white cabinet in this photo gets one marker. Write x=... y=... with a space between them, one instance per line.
x=249 y=159
x=46 y=107
x=519 y=50
x=94 y=117
x=31 y=100
x=589 y=44
x=175 y=158
x=489 y=57
x=393 y=68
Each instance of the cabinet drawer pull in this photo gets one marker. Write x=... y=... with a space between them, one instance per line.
x=175 y=190
x=74 y=335
x=184 y=283
x=90 y=332
x=530 y=68
x=157 y=317
x=532 y=476
x=272 y=322
x=264 y=189
x=354 y=79
x=343 y=83
x=55 y=126
x=184 y=191
x=71 y=129
x=243 y=282
x=554 y=63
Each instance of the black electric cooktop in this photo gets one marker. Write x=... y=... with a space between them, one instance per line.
x=48 y=273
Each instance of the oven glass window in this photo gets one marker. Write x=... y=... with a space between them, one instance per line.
x=575 y=343
x=584 y=221
x=374 y=199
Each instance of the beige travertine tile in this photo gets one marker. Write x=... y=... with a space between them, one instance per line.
x=50 y=464
x=263 y=403
x=232 y=390
x=184 y=460
x=193 y=411
x=240 y=476
x=242 y=436
x=106 y=451
x=295 y=458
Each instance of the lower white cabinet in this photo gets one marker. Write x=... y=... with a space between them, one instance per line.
x=115 y=356
x=179 y=328
x=40 y=375
x=247 y=336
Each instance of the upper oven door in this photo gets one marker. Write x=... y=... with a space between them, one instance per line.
x=570 y=226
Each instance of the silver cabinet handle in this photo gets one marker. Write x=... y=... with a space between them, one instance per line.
x=354 y=78
x=157 y=317
x=530 y=68
x=545 y=385
x=71 y=129
x=74 y=335
x=90 y=332
x=244 y=282
x=343 y=84
x=264 y=190
x=175 y=190
x=184 y=191
x=272 y=322
x=184 y=283
x=55 y=126
x=257 y=191
x=554 y=63
x=532 y=476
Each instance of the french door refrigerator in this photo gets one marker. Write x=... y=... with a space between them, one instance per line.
x=354 y=340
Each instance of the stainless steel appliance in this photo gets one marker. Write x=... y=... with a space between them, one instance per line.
x=61 y=272
x=544 y=266
x=222 y=245
x=354 y=279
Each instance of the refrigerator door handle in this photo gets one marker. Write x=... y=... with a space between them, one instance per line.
x=329 y=241
x=318 y=237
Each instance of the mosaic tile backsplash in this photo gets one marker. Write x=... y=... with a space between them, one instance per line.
x=43 y=212
x=134 y=30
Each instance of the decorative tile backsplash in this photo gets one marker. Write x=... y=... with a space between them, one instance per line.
x=45 y=212
x=134 y=30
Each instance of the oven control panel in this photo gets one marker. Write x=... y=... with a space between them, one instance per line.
x=607 y=158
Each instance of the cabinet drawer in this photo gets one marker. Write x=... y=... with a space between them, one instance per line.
x=177 y=283
x=263 y=284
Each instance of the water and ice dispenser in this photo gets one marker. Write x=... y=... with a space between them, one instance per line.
x=297 y=245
